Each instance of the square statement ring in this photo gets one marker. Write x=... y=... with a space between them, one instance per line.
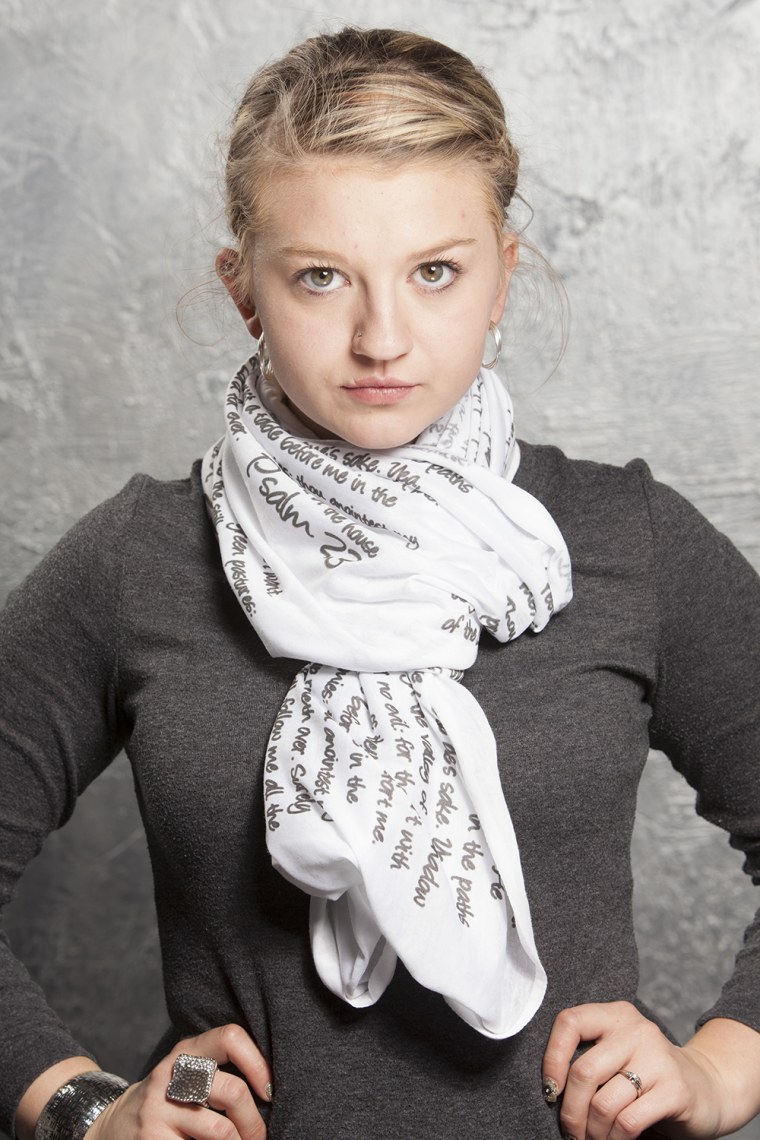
x=191 y=1081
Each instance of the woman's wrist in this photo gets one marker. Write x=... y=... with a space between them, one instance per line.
x=45 y=1086
x=77 y=1104
x=729 y=1052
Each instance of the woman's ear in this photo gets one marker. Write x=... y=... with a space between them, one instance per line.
x=226 y=265
x=510 y=256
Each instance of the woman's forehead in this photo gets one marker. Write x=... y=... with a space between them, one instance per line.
x=351 y=197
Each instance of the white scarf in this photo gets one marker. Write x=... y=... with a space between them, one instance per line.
x=382 y=791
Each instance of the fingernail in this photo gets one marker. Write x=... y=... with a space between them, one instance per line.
x=269 y=1090
x=550 y=1090
x=567 y=1136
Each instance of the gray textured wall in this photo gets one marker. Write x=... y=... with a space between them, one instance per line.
x=637 y=121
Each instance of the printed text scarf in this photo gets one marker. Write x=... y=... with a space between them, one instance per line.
x=382 y=790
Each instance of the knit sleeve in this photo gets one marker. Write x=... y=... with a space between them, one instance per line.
x=706 y=712
x=59 y=727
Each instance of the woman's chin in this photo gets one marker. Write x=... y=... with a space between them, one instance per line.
x=382 y=430
x=379 y=440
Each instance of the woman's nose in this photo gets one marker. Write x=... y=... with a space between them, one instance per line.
x=382 y=331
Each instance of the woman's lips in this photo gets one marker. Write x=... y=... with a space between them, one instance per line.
x=379 y=390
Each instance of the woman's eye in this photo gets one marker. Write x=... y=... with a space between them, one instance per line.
x=320 y=279
x=439 y=274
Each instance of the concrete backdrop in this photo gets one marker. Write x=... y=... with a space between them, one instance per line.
x=641 y=159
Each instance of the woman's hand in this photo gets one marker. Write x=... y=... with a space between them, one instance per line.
x=704 y=1089
x=144 y=1113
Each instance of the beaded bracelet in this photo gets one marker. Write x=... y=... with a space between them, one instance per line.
x=77 y=1104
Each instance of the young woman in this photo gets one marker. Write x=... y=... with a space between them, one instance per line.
x=386 y=753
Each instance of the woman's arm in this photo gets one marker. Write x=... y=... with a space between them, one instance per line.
x=60 y=724
x=61 y=721
x=705 y=717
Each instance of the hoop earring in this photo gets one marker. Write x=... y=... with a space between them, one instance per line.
x=495 y=332
x=265 y=364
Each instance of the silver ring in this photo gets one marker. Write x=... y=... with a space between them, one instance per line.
x=191 y=1081
x=634 y=1078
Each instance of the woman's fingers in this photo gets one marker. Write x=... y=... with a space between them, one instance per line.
x=231 y=1095
x=611 y=1110
x=595 y=1094
x=571 y=1028
x=202 y=1124
x=145 y=1112
x=628 y=1079
x=230 y=1044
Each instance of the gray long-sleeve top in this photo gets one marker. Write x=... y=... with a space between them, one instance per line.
x=128 y=636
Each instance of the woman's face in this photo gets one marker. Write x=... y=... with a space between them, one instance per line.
x=375 y=290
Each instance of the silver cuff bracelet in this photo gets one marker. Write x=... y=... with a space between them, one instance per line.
x=77 y=1104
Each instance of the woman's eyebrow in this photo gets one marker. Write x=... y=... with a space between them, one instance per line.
x=305 y=251
x=434 y=251
x=428 y=253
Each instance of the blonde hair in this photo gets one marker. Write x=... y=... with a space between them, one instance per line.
x=384 y=95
